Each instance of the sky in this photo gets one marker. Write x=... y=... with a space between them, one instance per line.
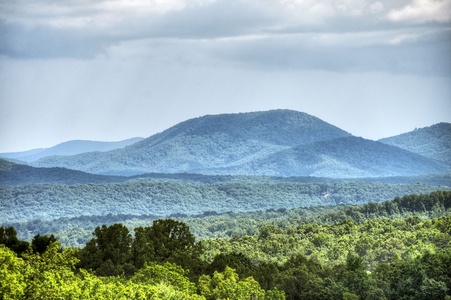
x=109 y=70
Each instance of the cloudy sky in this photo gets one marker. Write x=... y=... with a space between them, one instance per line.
x=114 y=69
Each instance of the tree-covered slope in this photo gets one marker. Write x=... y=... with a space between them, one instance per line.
x=348 y=157
x=213 y=141
x=162 y=198
x=277 y=142
x=433 y=141
x=69 y=148
x=398 y=249
x=18 y=174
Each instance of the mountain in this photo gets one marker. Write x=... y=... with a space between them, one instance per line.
x=277 y=143
x=69 y=148
x=433 y=142
x=348 y=157
x=208 y=142
x=17 y=174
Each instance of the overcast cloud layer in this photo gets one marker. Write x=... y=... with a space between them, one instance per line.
x=108 y=70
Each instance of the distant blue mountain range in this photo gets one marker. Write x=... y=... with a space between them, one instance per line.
x=276 y=143
x=69 y=148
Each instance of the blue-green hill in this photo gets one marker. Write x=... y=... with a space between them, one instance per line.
x=18 y=174
x=213 y=141
x=277 y=143
x=433 y=142
x=348 y=157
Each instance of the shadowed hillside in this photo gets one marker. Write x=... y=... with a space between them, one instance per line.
x=433 y=142
x=349 y=157
x=18 y=174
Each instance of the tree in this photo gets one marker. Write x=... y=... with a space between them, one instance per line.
x=227 y=285
x=40 y=242
x=355 y=276
x=8 y=237
x=170 y=237
x=167 y=273
x=237 y=261
x=166 y=240
x=13 y=272
x=109 y=252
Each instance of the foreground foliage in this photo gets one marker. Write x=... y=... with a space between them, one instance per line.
x=52 y=275
x=367 y=252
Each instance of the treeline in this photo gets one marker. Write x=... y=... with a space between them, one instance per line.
x=375 y=258
x=76 y=231
x=113 y=257
x=160 y=262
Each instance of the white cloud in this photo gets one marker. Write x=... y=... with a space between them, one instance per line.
x=422 y=11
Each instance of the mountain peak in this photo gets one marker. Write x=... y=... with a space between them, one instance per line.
x=275 y=142
x=282 y=127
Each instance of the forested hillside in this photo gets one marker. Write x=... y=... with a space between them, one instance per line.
x=398 y=249
x=348 y=157
x=162 y=198
x=433 y=141
x=18 y=174
x=278 y=143
x=207 y=142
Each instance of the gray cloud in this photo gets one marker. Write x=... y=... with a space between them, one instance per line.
x=398 y=36
x=418 y=52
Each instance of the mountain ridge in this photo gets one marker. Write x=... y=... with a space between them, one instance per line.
x=72 y=147
x=208 y=142
x=347 y=157
x=19 y=174
x=433 y=141
x=275 y=142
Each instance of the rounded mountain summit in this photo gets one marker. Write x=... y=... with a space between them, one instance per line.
x=248 y=144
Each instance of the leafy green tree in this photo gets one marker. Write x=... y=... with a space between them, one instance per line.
x=350 y=296
x=266 y=274
x=227 y=285
x=167 y=240
x=296 y=275
x=51 y=274
x=356 y=279
x=170 y=237
x=40 y=242
x=237 y=261
x=169 y=274
x=8 y=237
x=142 y=250
x=108 y=253
x=13 y=272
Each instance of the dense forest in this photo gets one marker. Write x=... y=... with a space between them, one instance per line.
x=162 y=198
x=433 y=141
x=399 y=249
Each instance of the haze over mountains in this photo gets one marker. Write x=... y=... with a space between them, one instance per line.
x=18 y=174
x=69 y=148
x=276 y=143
